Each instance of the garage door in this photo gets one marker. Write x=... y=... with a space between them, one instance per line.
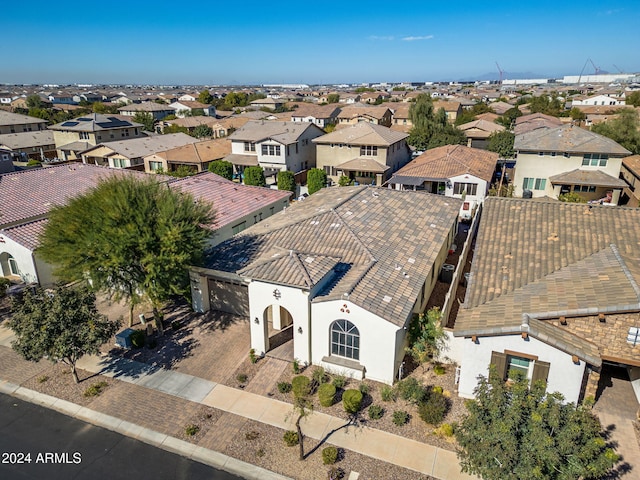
x=229 y=297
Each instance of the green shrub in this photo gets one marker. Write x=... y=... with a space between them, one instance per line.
x=252 y=355
x=291 y=438
x=260 y=453
x=42 y=379
x=344 y=181
x=433 y=408
x=439 y=369
x=191 y=429
x=339 y=381
x=242 y=378
x=4 y=284
x=222 y=168
x=95 y=389
x=254 y=176
x=411 y=390
x=376 y=412
x=400 y=417
x=319 y=375
x=445 y=430
x=284 y=387
x=329 y=455
x=301 y=386
x=252 y=435
x=364 y=388
x=351 y=401
x=34 y=163
x=175 y=325
x=316 y=179
x=335 y=473
x=388 y=394
x=326 y=394
x=137 y=338
x=296 y=366
x=286 y=181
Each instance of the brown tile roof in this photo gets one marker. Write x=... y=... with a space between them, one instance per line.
x=480 y=128
x=588 y=177
x=27 y=234
x=10 y=118
x=386 y=240
x=143 y=146
x=354 y=111
x=488 y=116
x=145 y=107
x=447 y=105
x=199 y=152
x=27 y=139
x=567 y=138
x=500 y=107
x=632 y=163
x=363 y=133
x=316 y=111
x=364 y=164
x=450 y=161
x=243 y=160
x=285 y=133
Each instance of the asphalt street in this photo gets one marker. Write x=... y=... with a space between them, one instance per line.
x=37 y=443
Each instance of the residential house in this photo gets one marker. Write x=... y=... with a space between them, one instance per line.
x=630 y=173
x=597 y=100
x=452 y=109
x=553 y=293
x=488 y=116
x=267 y=103
x=378 y=115
x=479 y=131
x=16 y=123
x=38 y=145
x=528 y=123
x=275 y=146
x=367 y=153
x=321 y=275
x=6 y=160
x=196 y=156
x=401 y=120
x=6 y=98
x=77 y=135
x=157 y=110
x=374 y=97
x=553 y=161
x=452 y=170
x=220 y=127
x=500 y=107
x=23 y=217
x=188 y=97
x=320 y=115
x=131 y=153
x=348 y=98
x=185 y=108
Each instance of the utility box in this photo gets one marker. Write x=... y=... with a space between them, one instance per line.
x=123 y=338
x=446 y=273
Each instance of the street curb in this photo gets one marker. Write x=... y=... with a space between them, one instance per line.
x=137 y=432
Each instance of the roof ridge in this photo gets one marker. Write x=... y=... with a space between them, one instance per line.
x=296 y=259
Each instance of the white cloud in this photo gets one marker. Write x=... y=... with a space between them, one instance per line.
x=414 y=38
x=387 y=38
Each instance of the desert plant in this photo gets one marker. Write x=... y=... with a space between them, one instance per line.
x=411 y=390
x=326 y=394
x=439 y=369
x=364 y=388
x=437 y=389
x=191 y=429
x=339 y=381
x=376 y=412
x=329 y=455
x=335 y=473
x=137 y=338
x=319 y=376
x=344 y=181
x=352 y=401
x=252 y=435
x=388 y=394
x=445 y=430
x=295 y=366
x=433 y=409
x=291 y=438
x=42 y=379
x=260 y=453
x=95 y=389
x=301 y=386
x=284 y=387
x=242 y=378
x=252 y=355
x=400 y=417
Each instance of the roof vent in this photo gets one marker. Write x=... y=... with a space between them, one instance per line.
x=386 y=299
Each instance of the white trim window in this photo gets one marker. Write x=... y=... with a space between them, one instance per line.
x=595 y=160
x=345 y=340
x=369 y=151
x=534 y=183
x=271 y=150
x=470 y=188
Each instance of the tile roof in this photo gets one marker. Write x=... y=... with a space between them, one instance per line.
x=384 y=241
x=93 y=122
x=567 y=138
x=364 y=164
x=354 y=111
x=447 y=105
x=450 y=161
x=588 y=177
x=243 y=160
x=632 y=163
x=231 y=201
x=198 y=152
x=27 y=234
x=31 y=193
x=285 y=133
x=10 y=118
x=145 y=107
x=480 y=128
x=316 y=111
x=363 y=134
x=143 y=146
x=27 y=139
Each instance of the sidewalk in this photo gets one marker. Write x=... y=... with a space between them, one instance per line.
x=394 y=449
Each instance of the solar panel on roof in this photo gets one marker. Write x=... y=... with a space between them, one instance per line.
x=113 y=124
x=83 y=119
x=69 y=124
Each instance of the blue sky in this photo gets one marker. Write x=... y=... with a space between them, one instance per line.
x=199 y=42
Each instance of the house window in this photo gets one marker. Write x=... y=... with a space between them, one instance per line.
x=519 y=366
x=345 y=339
x=155 y=166
x=584 y=188
x=459 y=188
x=595 y=160
x=329 y=170
x=239 y=227
x=272 y=150
x=509 y=364
x=84 y=135
x=534 y=183
x=249 y=147
x=368 y=151
x=13 y=267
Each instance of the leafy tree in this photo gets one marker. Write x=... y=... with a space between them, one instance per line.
x=516 y=432
x=624 y=129
x=547 y=104
x=344 y=181
x=571 y=197
x=222 y=168
x=316 y=179
x=504 y=190
x=146 y=119
x=501 y=143
x=302 y=405
x=175 y=129
x=471 y=114
x=426 y=336
x=254 y=176
x=194 y=112
x=133 y=239
x=430 y=128
x=576 y=114
x=364 y=89
x=286 y=181
x=205 y=97
x=509 y=117
x=62 y=325
x=633 y=99
x=180 y=172
x=202 y=131
x=333 y=98
x=34 y=101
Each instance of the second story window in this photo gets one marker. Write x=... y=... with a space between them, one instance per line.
x=595 y=160
x=368 y=151
x=249 y=147
x=272 y=150
x=84 y=135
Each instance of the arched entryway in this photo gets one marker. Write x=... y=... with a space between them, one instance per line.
x=279 y=324
x=8 y=265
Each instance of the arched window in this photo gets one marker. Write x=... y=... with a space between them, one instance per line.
x=345 y=339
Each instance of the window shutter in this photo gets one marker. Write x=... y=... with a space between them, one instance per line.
x=540 y=371
x=500 y=361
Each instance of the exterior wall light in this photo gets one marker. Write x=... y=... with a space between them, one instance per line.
x=299 y=329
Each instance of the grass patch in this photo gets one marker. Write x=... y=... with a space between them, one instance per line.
x=95 y=389
x=191 y=429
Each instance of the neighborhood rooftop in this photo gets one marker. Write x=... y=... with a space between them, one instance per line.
x=567 y=138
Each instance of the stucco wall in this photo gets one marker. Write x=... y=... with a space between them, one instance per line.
x=22 y=256
x=564 y=376
x=481 y=191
